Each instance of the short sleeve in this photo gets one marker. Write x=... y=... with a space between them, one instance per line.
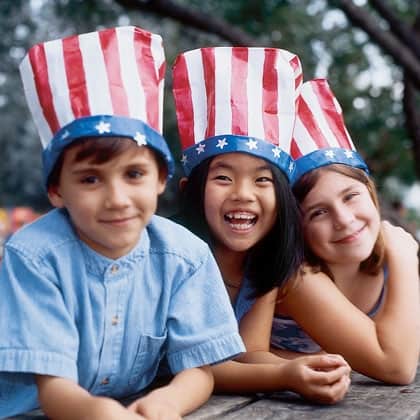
x=202 y=328
x=38 y=334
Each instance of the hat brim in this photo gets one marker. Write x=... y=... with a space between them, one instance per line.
x=327 y=156
x=228 y=143
x=105 y=126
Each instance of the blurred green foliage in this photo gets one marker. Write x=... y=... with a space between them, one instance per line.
x=367 y=83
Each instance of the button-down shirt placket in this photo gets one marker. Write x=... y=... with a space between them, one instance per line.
x=115 y=286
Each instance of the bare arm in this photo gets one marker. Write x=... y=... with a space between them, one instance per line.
x=187 y=391
x=64 y=399
x=255 y=329
x=323 y=379
x=398 y=324
x=319 y=378
x=386 y=347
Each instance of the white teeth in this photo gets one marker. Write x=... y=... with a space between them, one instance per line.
x=240 y=226
x=240 y=216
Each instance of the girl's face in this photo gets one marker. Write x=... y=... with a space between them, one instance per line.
x=240 y=202
x=341 y=222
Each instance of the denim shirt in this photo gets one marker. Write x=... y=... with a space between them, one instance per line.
x=68 y=311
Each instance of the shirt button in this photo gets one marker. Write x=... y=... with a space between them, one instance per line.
x=105 y=381
x=114 y=269
x=115 y=320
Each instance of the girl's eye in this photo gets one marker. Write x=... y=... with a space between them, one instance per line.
x=264 y=179
x=134 y=174
x=350 y=196
x=317 y=213
x=222 y=178
x=91 y=179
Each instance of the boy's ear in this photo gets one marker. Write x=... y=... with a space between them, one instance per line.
x=54 y=196
x=182 y=183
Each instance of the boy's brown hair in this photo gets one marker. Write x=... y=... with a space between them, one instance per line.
x=98 y=150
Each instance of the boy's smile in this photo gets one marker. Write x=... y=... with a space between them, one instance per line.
x=110 y=203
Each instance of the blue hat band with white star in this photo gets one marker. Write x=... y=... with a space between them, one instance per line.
x=230 y=143
x=328 y=156
x=105 y=126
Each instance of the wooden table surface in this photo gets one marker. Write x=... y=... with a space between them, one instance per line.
x=367 y=399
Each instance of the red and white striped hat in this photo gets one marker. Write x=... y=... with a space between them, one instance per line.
x=105 y=83
x=320 y=136
x=236 y=99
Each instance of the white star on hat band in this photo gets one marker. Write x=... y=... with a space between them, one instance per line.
x=105 y=126
x=217 y=145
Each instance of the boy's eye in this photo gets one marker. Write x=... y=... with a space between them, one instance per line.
x=91 y=179
x=135 y=174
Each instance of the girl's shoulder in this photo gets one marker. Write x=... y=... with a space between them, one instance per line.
x=309 y=284
x=306 y=278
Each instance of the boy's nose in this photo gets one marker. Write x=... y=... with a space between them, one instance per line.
x=116 y=196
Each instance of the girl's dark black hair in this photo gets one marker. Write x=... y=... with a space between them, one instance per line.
x=192 y=202
x=277 y=257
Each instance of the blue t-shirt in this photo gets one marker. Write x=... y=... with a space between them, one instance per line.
x=68 y=311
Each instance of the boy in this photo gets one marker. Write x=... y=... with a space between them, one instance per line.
x=96 y=292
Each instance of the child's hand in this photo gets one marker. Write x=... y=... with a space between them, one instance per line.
x=102 y=408
x=187 y=390
x=154 y=408
x=321 y=378
x=63 y=398
x=398 y=242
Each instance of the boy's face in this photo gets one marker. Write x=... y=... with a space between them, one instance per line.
x=110 y=203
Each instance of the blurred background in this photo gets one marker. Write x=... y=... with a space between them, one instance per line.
x=369 y=51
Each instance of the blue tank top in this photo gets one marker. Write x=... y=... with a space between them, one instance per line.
x=244 y=300
x=286 y=334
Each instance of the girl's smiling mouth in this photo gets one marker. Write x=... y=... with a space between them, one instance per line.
x=352 y=237
x=241 y=220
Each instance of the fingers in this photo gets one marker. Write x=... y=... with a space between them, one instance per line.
x=135 y=408
x=397 y=240
x=329 y=377
x=331 y=394
x=322 y=378
x=325 y=361
x=153 y=411
x=393 y=232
